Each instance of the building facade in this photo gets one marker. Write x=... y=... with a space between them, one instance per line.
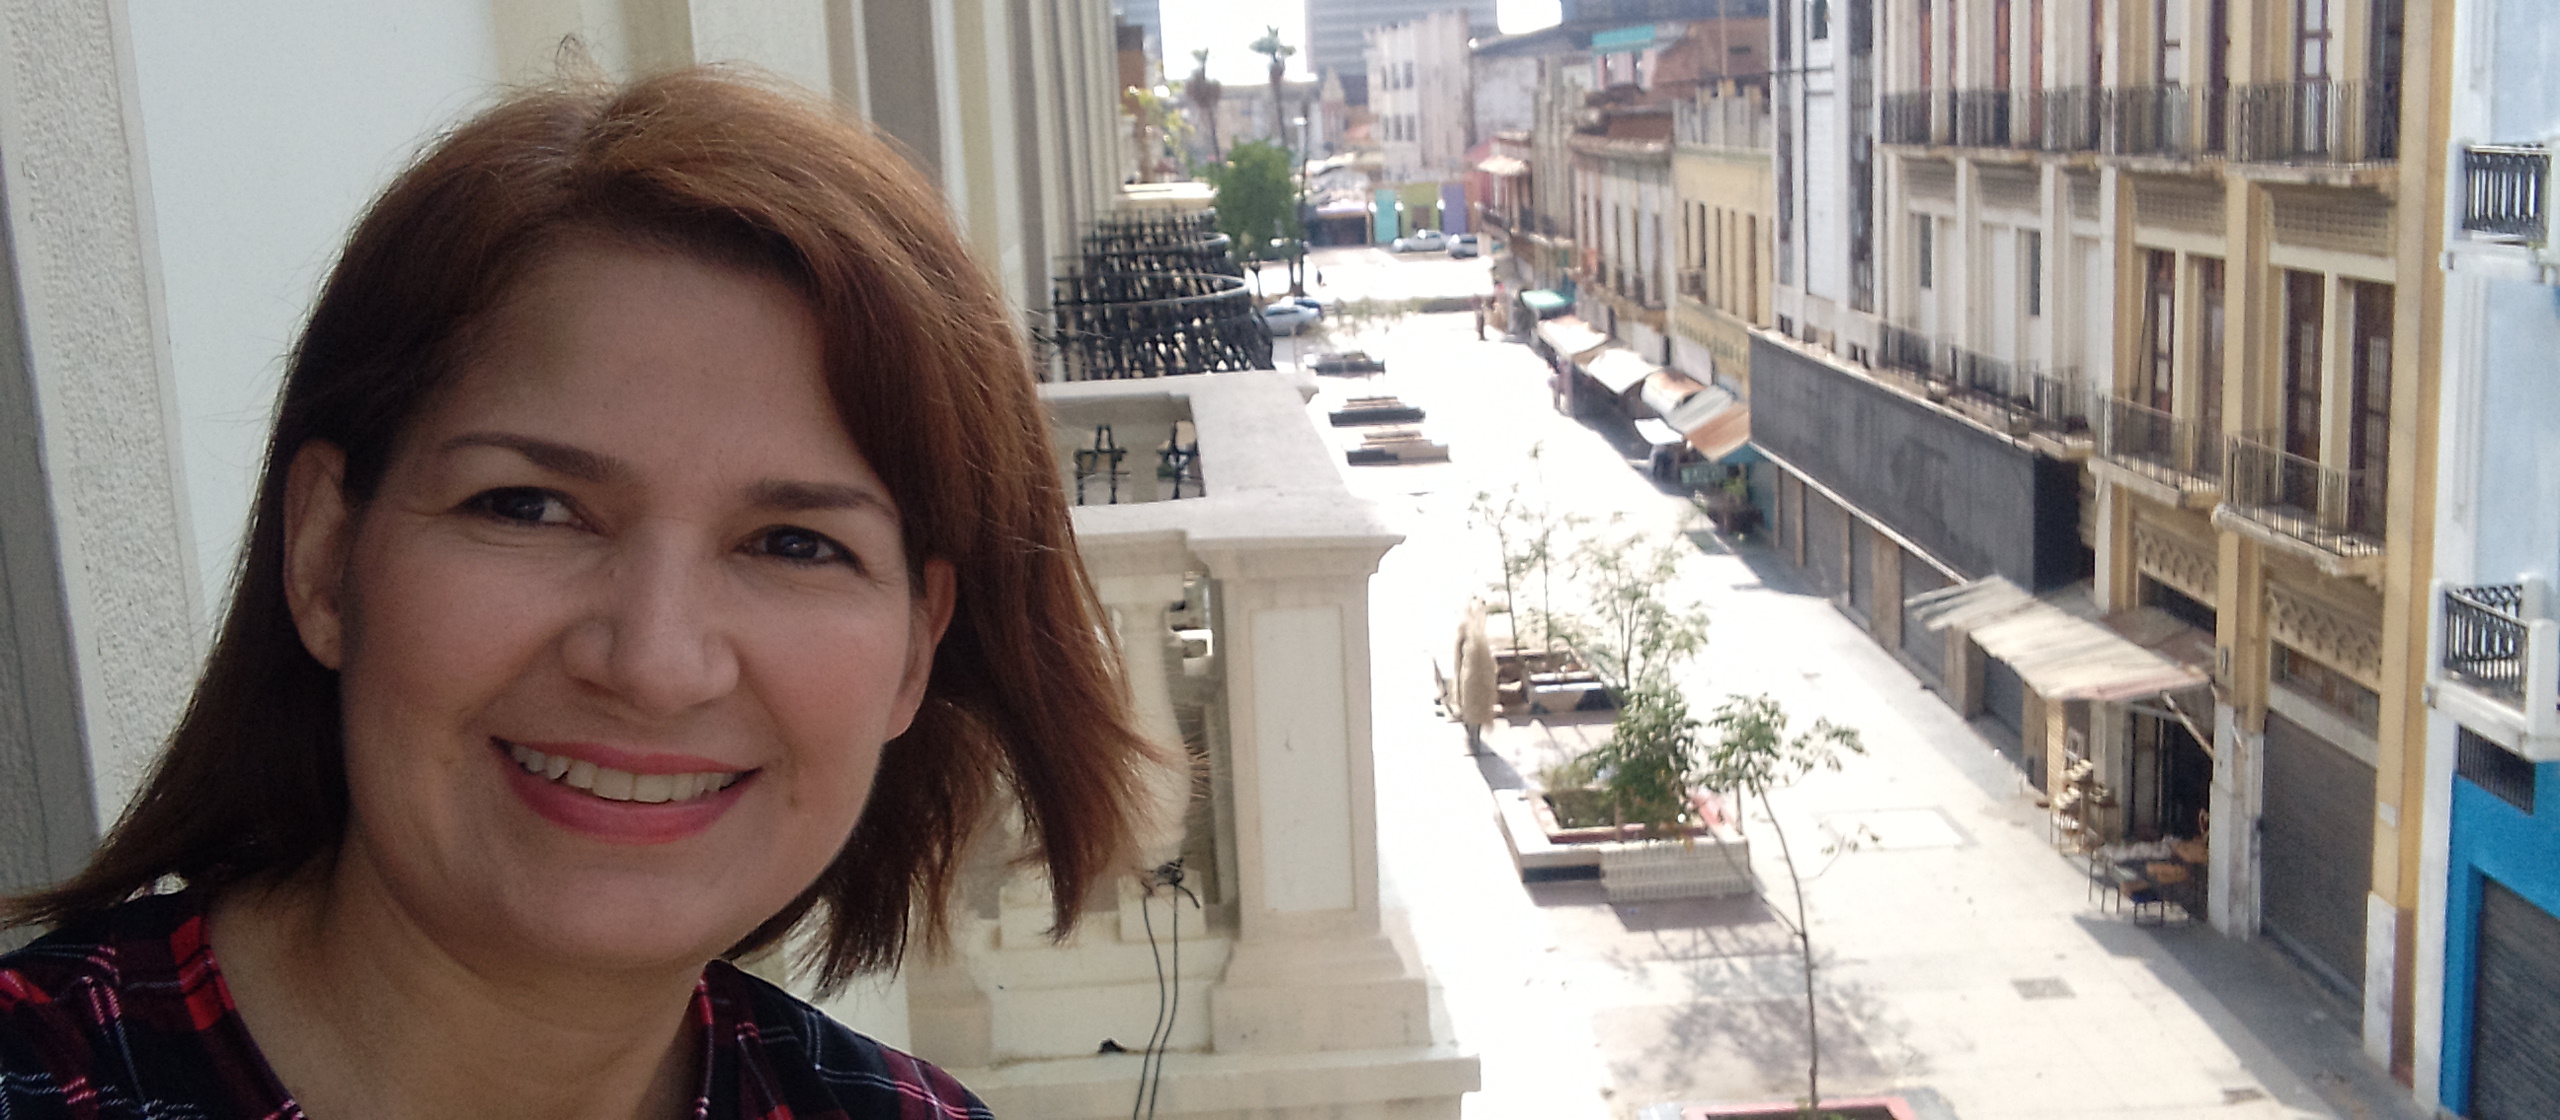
x=2488 y=941
x=1337 y=30
x=1727 y=196
x=1420 y=95
x=2175 y=250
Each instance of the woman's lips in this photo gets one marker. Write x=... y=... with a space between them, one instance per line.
x=659 y=798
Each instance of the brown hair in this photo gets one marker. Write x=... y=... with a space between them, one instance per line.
x=928 y=376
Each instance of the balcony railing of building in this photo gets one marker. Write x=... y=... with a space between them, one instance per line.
x=2318 y=120
x=2484 y=639
x=2179 y=452
x=2330 y=508
x=2322 y=121
x=2503 y=192
x=2022 y=395
x=1730 y=120
x=1154 y=294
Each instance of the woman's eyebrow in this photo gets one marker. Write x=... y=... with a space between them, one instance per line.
x=558 y=458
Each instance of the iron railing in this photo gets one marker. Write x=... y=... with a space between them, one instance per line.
x=2317 y=120
x=1982 y=118
x=2328 y=507
x=2484 y=639
x=2180 y=452
x=2163 y=120
x=1905 y=118
x=1155 y=324
x=2502 y=191
x=2022 y=393
x=2063 y=120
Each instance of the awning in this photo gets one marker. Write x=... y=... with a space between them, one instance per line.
x=1657 y=434
x=1617 y=369
x=1717 y=431
x=2059 y=654
x=1666 y=390
x=1503 y=165
x=1545 y=303
x=1568 y=335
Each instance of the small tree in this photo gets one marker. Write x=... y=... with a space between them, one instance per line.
x=1255 y=203
x=1528 y=538
x=1630 y=631
x=1752 y=754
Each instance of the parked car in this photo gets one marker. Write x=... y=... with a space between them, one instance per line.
x=1317 y=304
x=1422 y=241
x=1465 y=245
x=1288 y=316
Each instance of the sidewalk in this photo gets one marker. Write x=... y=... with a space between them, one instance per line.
x=1962 y=961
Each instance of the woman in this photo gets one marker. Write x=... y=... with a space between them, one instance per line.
x=658 y=546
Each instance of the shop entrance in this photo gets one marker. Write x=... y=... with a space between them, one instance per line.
x=2172 y=781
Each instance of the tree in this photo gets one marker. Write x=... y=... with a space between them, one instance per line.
x=1751 y=755
x=1628 y=631
x=1204 y=92
x=1255 y=203
x=1269 y=44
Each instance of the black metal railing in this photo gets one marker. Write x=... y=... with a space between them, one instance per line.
x=1904 y=118
x=2317 y=120
x=2328 y=507
x=1904 y=349
x=2180 y=452
x=2163 y=120
x=1982 y=118
x=1113 y=325
x=2040 y=398
x=2484 y=639
x=2069 y=119
x=2502 y=191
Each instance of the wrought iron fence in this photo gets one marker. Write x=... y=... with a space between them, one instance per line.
x=1905 y=118
x=1982 y=118
x=1155 y=324
x=1905 y=349
x=2502 y=191
x=2064 y=120
x=2176 y=451
x=2042 y=398
x=2163 y=120
x=2318 y=120
x=2325 y=506
x=2484 y=639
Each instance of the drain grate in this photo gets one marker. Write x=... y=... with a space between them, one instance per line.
x=2242 y=1096
x=2043 y=987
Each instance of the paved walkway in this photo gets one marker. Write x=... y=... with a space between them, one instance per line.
x=1962 y=961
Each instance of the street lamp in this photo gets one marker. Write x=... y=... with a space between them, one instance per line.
x=1298 y=258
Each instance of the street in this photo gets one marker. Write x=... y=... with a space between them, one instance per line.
x=1963 y=963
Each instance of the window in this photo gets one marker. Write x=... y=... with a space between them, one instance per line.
x=2170 y=64
x=2369 y=424
x=2159 y=330
x=2494 y=768
x=1926 y=42
x=2302 y=323
x=2032 y=242
x=1924 y=232
x=1817 y=20
x=2178 y=605
x=2210 y=313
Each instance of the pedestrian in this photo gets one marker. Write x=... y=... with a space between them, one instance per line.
x=1478 y=303
x=1476 y=688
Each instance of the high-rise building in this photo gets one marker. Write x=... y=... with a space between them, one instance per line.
x=1335 y=30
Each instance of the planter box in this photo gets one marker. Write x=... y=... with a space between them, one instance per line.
x=1653 y=870
x=1854 y=1108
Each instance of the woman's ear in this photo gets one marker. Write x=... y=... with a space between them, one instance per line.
x=316 y=527
x=933 y=606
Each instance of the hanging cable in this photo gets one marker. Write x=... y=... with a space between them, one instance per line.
x=1168 y=991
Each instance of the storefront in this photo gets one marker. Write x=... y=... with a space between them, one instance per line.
x=2501 y=1041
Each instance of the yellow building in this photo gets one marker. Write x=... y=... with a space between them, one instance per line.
x=1728 y=203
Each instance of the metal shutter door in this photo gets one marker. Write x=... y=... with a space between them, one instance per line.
x=1862 y=571
x=2515 y=1038
x=2316 y=863
x=1823 y=525
x=1926 y=646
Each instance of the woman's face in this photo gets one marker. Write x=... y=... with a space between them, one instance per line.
x=624 y=628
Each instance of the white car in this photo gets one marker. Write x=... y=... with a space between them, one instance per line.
x=1287 y=316
x=1465 y=245
x=1422 y=241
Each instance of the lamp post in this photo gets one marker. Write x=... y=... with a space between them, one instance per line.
x=1298 y=255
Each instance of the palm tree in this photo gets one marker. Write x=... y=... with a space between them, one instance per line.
x=1203 y=92
x=1270 y=44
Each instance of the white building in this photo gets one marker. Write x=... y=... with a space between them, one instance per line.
x=1418 y=93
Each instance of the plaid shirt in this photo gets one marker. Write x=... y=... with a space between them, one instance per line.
x=125 y=1017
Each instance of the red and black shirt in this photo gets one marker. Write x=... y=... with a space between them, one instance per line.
x=125 y=1017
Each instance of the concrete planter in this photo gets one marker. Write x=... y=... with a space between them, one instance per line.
x=1854 y=1108
x=1712 y=862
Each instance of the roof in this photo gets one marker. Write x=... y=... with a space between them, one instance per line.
x=1722 y=432
x=1544 y=301
x=1657 y=433
x=1617 y=368
x=2061 y=655
x=1503 y=165
x=1667 y=390
x=1570 y=336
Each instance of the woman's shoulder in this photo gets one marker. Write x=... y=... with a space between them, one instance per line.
x=792 y=1060
x=104 y=1005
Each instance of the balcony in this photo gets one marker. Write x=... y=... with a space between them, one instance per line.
x=2332 y=516
x=1982 y=118
x=1906 y=119
x=2181 y=456
x=2498 y=669
x=2315 y=121
x=2012 y=396
x=2503 y=192
x=2164 y=120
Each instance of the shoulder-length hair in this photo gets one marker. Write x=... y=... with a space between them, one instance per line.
x=928 y=376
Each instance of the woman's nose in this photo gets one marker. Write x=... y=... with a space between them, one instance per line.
x=655 y=639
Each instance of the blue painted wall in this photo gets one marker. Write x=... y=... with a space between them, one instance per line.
x=1383 y=219
x=2495 y=840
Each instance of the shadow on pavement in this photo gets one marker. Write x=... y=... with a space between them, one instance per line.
x=2290 y=1031
x=1498 y=772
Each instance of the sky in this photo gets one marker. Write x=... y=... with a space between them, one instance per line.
x=1226 y=26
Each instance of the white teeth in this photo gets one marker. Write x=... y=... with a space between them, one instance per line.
x=619 y=785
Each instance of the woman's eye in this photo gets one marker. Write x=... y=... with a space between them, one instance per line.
x=801 y=546
x=523 y=505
